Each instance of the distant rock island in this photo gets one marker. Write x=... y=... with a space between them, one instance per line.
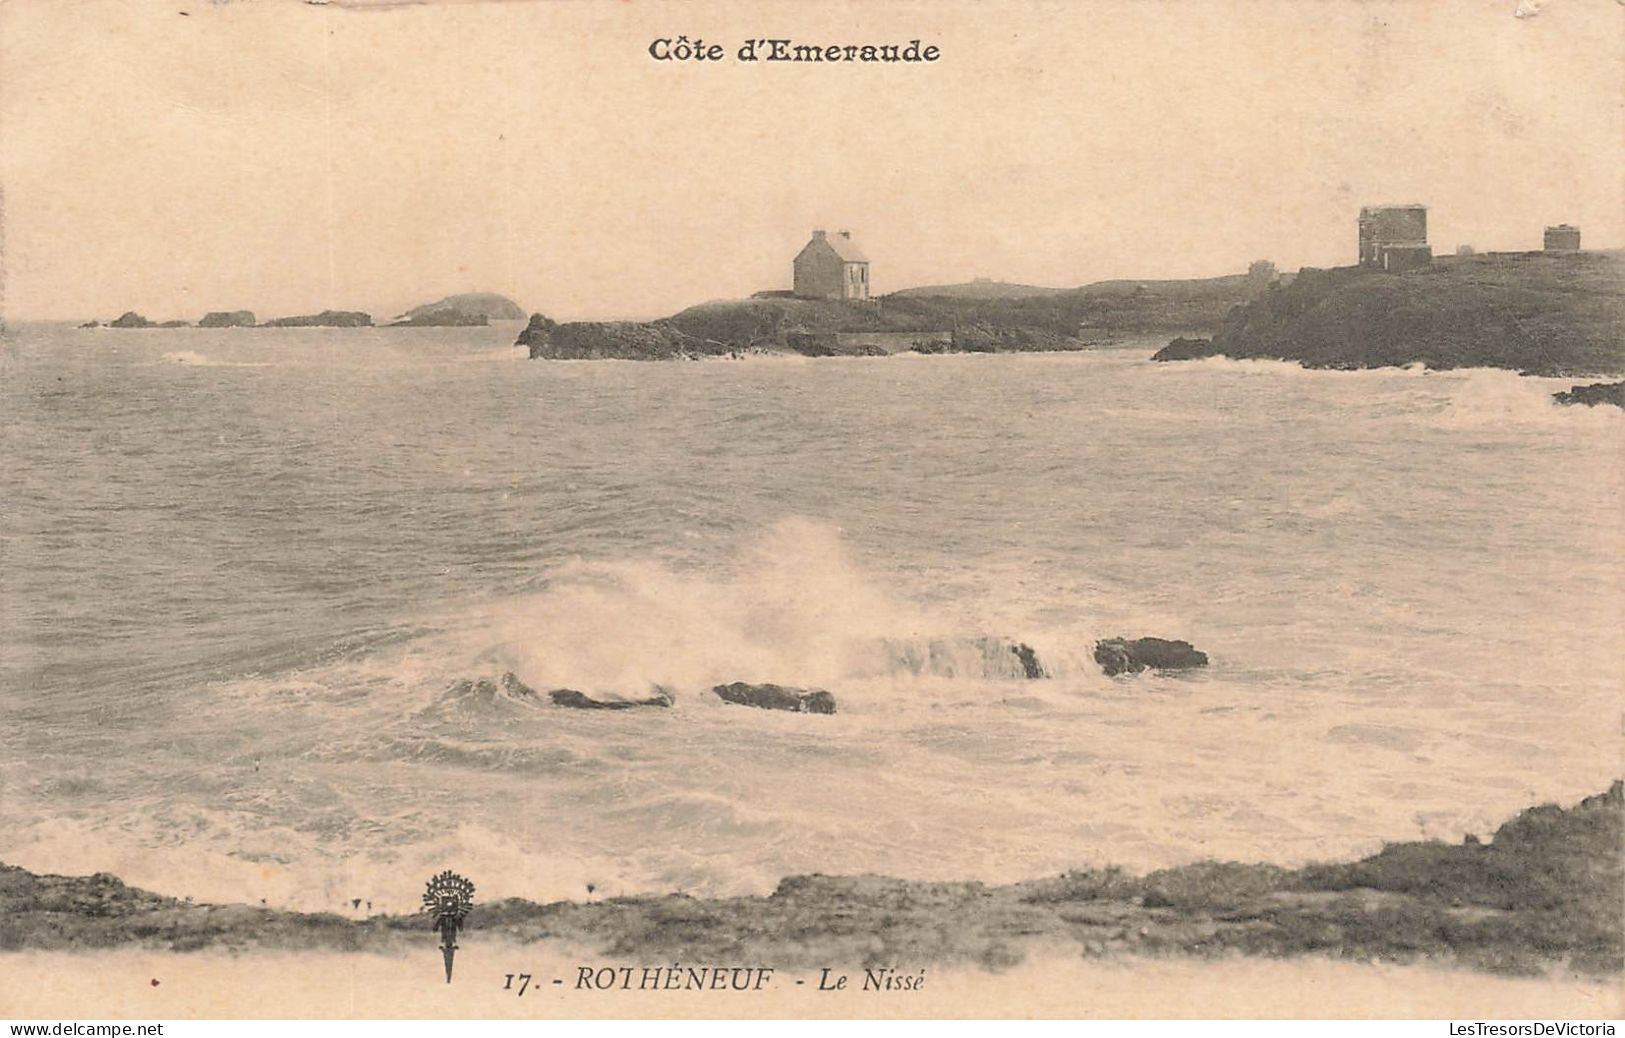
x=471 y=309
x=1539 y=313
x=325 y=319
x=464 y=310
x=997 y=319
x=227 y=319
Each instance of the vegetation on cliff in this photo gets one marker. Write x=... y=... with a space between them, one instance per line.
x=1538 y=313
x=1544 y=892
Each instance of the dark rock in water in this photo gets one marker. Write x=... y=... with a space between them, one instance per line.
x=91 y=324
x=1028 y=659
x=1594 y=394
x=130 y=319
x=174 y=324
x=227 y=319
x=778 y=697
x=1185 y=349
x=581 y=701
x=1125 y=656
x=325 y=319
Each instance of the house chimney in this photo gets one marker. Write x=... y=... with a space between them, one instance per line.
x=846 y=234
x=818 y=236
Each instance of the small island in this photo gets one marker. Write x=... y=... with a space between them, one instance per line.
x=227 y=319
x=325 y=319
x=469 y=309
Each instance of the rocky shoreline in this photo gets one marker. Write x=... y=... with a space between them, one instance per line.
x=1543 y=895
x=1537 y=313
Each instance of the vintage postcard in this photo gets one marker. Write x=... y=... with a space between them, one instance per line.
x=893 y=509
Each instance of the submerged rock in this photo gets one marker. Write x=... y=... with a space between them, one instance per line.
x=1125 y=656
x=777 y=697
x=1594 y=394
x=581 y=701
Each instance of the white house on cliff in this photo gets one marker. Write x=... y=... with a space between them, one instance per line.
x=831 y=267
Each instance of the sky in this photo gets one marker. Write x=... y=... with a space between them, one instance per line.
x=180 y=156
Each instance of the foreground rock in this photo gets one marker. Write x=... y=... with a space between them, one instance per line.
x=325 y=319
x=1594 y=394
x=777 y=697
x=569 y=697
x=227 y=319
x=1125 y=656
x=1545 y=895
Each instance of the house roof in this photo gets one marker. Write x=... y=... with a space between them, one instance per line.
x=844 y=247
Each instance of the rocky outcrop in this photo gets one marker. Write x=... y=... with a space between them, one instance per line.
x=130 y=319
x=227 y=319
x=777 y=697
x=91 y=324
x=465 y=305
x=1539 y=313
x=1130 y=656
x=174 y=324
x=445 y=317
x=1594 y=394
x=608 y=340
x=325 y=319
x=1185 y=349
x=1544 y=897
x=569 y=697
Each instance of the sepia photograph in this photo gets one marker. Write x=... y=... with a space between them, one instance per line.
x=522 y=510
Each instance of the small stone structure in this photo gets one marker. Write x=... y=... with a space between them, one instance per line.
x=1394 y=237
x=1563 y=238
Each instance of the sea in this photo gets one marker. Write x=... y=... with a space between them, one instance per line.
x=250 y=580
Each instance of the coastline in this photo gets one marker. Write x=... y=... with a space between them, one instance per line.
x=1543 y=897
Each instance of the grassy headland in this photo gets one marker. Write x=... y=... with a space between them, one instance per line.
x=981 y=321
x=1539 y=313
x=1544 y=893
